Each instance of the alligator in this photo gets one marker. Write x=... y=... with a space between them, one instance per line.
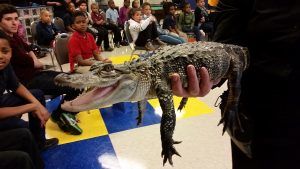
x=143 y=79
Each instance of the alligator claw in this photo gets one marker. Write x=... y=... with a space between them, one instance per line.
x=139 y=120
x=168 y=150
x=231 y=121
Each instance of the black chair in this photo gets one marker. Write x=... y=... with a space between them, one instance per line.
x=59 y=24
x=61 y=49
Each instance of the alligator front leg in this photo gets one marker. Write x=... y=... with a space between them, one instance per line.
x=142 y=108
x=168 y=122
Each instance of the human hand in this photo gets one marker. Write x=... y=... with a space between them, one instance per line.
x=106 y=60
x=202 y=19
x=41 y=113
x=58 y=4
x=38 y=64
x=196 y=88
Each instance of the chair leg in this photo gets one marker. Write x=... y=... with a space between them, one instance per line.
x=52 y=58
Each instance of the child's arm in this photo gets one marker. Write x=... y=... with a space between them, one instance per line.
x=37 y=63
x=180 y=21
x=34 y=106
x=41 y=112
x=98 y=57
x=83 y=62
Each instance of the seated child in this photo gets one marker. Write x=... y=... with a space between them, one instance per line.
x=170 y=21
x=163 y=33
x=68 y=17
x=100 y=23
x=186 y=21
x=143 y=32
x=45 y=29
x=201 y=17
x=82 y=47
x=123 y=16
x=135 y=4
x=19 y=100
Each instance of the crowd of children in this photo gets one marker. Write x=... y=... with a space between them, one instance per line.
x=21 y=71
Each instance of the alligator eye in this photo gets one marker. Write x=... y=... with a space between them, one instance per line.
x=108 y=68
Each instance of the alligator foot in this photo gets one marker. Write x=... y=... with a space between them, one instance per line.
x=231 y=121
x=139 y=120
x=168 y=150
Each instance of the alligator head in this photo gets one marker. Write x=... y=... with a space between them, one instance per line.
x=106 y=84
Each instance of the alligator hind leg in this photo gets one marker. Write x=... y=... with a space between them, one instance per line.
x=168 y=122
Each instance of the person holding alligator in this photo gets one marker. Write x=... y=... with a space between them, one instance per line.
x=270 y=86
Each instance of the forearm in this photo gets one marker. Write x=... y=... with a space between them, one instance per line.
x=37 y=63
x=97 y=55
x=25 y=93
x=16 y=111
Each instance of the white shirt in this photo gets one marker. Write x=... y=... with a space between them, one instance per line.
x=135 y=28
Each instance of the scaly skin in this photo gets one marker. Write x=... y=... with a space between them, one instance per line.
x=147 y=79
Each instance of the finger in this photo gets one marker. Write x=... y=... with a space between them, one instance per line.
x=193 y=87
x=177 y=86
x=205 y=82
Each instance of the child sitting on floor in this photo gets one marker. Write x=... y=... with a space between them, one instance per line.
x=164 y=34
x=143 y=32
x=170 y=21
x=82 y=48
x=186 y=21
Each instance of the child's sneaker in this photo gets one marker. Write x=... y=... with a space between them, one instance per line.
x=68 y=124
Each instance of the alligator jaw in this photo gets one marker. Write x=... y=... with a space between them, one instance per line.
x=102 y=96
x=83 y=81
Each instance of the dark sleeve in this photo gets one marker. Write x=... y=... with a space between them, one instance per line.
x=167 y=22
x=24 y=45
x=67 y=20
x=43 y=36
x=198 y=16
x=55 y=29
x=12 y=80
x=231 y=21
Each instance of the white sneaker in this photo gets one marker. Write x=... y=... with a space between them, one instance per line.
x=202 y=33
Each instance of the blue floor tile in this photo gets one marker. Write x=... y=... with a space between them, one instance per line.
x=95 y=153
x=122 y=116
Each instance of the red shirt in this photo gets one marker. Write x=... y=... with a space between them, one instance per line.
x=80 y=45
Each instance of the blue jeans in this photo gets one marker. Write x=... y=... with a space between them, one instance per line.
x=195 y=30
x=170 y=39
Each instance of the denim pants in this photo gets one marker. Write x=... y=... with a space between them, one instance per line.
x=34 y=125
x=170 y=39
x=195 y=30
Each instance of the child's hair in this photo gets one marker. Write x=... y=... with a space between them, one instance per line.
x=43 y=11
x=185 y=5
x=132 y=3
x=167 y=6
x=94 y=4
x=69 y=4
x=7 y=9
x=145 y=4
x=110 y=2
x=132 y=11
x=81 y=2
x=76 y=14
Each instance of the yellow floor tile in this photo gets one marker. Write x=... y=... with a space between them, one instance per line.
x=90 y=122
x=194 y=107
